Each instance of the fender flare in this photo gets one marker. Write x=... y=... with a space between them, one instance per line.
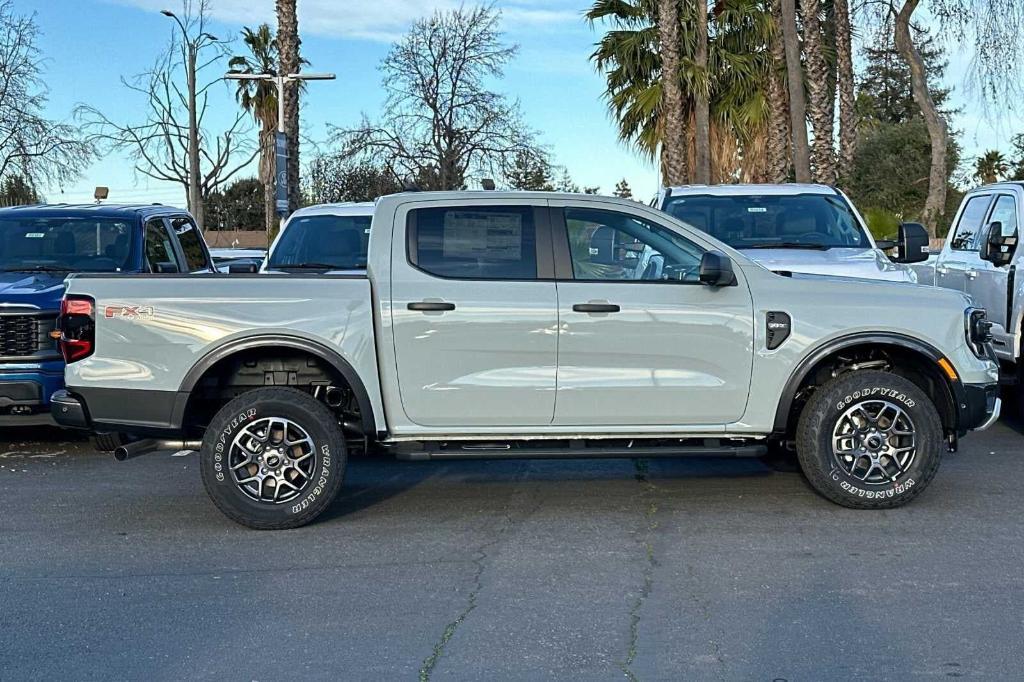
x=955 y=388
x=272 y=341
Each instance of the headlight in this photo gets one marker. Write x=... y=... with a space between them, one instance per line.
x=978 y=330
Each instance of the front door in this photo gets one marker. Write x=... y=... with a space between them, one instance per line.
x=951 y=266
x=988 y=284
x=641 y=341
x=474 y=315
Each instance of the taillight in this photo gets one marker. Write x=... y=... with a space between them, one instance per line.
x=77 y=324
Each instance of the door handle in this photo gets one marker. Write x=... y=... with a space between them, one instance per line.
x=972 y=274
x=942 y=270
x=596 y=308
x=431 y=306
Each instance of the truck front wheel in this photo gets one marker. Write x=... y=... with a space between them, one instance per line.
x=273 y=458
x=869 y=440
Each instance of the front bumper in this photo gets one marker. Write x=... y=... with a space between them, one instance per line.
x=979 y=407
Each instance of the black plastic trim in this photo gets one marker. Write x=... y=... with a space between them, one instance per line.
x=268 y=341
x=829 y=347
x=68 y=410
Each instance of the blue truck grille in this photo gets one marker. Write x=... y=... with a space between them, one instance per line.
x=26 y=335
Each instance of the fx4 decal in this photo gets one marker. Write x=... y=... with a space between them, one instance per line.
x=128 y=312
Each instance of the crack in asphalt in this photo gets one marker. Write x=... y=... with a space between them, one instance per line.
x=649 y=526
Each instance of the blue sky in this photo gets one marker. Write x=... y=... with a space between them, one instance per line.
x=90 y=44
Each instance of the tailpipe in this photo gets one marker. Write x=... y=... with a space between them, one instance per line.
x=144 y=447
x=334 y=396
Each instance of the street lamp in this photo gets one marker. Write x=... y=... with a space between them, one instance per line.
x=192 y=47
x=280 y=140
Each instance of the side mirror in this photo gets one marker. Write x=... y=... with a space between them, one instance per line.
x=716 y=270
x=243 y=269
x=165 y=268
x=998 y=249
x=912 y=243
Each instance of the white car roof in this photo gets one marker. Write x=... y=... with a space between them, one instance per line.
x=344 y=208
x=746 y=190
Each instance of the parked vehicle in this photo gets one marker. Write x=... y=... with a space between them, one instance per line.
x=496 y=324
x=250 y=259
x=325 y=238
x=981 y=258
x=39 y=247
x=796 y=228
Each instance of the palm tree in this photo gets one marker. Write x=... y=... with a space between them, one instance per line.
x=779 y=160
x=701 y=110
x=795 y=79
x=673 y=142
x=991 y=167
x=820 y=97
x=288 y=51
x=260 y=99
x=844 y=83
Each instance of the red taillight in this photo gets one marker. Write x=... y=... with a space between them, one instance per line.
x=77 y=324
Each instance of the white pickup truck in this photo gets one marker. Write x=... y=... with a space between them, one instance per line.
x=492 y=324
x=981 y=258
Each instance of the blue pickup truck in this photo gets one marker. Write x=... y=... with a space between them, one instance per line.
x=39 y=247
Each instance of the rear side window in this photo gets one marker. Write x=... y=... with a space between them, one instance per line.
x=490 y=242
x=159 y=249
x=191 y=244
x=968 y=228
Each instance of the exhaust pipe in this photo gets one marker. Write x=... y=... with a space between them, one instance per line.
x=143 y=447
x=334 y=396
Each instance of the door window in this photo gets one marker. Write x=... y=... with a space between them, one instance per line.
x=606 y=245
x=968 y=230
x=159 y=247
x=474 y=242
x=191 y=244
x=1005 y=212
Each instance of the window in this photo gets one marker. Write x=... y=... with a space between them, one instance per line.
x=766 y=221
x=1005 y=212
x=968 y=230
x=605 y=245
x=65 y=243
x=159 y=249
x=191 y=244
x=333 y=241
x=474 y=242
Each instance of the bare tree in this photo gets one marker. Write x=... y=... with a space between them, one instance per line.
x=441 y=125
x=38 y=150
x=159 y=145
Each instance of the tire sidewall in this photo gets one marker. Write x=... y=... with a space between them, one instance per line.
x=834 y=401
x=328 y=468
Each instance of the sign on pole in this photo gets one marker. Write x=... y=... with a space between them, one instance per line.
x=281 y=172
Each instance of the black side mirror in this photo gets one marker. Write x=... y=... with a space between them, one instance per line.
x=166 y=268
x=243 y=269
x=998 y=249
x=716 y=270
x=912 y=243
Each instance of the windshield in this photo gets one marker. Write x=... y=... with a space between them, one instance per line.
x=65 y=244
x=792 y=221
x=323 y=241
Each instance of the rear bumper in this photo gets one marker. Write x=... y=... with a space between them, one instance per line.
x=979 y=406
x=68 y=410
x=107 y=410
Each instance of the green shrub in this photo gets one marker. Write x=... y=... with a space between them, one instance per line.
x=882 y=223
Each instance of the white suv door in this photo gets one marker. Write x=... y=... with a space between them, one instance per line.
x=988 y=284
x=474 y=314
x=641 y=341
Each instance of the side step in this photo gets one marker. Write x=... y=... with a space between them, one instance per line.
x=578 y=450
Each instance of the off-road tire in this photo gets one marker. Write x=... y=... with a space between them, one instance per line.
x=108 y=442
x=329 y=453
x=820 y=417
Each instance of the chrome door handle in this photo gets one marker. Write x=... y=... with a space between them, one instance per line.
x=596 y=308
x=972 y=274
x=942 y=270
x=431 y=306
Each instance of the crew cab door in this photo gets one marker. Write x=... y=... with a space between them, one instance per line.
x=474 y=313
x=641 y=341
x=965 y=238
x=987 y=284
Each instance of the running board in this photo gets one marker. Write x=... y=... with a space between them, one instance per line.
x=434 y=451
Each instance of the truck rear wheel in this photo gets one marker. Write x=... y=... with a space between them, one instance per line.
x=273 y=458
x=869 y=440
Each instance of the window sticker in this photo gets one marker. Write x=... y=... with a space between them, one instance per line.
x=756 y=209
x=478 y=234
x=34 y=235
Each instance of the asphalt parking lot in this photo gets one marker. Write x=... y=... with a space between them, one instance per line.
x=603 y=570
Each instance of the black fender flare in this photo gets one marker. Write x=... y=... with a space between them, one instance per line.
x=271 y=341
x=955 y=388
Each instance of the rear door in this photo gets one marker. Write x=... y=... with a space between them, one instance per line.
x=987 y=284
x=641 y=341
x=474 y=313
x=952 y=265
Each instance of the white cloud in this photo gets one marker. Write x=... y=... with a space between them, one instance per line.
x=377 y=20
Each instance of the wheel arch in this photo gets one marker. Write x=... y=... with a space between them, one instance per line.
x=951 y=389
x=270 y=342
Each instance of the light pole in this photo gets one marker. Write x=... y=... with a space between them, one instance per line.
x=192 y=47
x=280 y=139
